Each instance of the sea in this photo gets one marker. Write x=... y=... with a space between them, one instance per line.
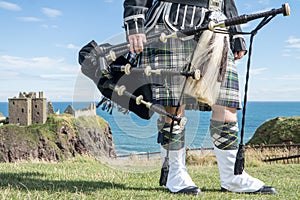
x=132 y=134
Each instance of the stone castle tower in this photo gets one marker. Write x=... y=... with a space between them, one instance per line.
x=27 y=109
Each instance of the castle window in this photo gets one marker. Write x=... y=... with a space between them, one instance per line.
x=38 y=113
x=35 y=106
x=22 y=110
x=13 y=103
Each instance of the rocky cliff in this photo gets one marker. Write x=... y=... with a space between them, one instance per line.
x=279 y=130
x=60 y=138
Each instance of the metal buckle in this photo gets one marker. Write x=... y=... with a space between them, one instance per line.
x=215 y=5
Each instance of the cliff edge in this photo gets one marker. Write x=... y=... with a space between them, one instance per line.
x=60 y=138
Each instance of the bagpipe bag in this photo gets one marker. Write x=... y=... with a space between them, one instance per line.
x=106 y=79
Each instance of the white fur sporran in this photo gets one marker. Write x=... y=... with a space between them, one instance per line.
x=210 y=57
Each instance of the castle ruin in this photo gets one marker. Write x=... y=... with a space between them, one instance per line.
x=89 y=111
x=30 y=109
x=27 y=109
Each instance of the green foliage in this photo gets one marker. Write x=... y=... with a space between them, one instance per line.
x=18 y=135
x=90 y=121
x=277 y=131
x=55 y=121
x=85 y=178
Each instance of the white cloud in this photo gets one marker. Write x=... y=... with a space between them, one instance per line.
x=72 y=46
x=286 y=55
x=29 y=19
x=8 y=74
x=262 y=10
x=9 y=6
x=282 y=93
x=294 y=43
x=293 y=40
x=36 y=65
x=290 y=77
x=294 y=46
x=257 y=71
x=58 y=76
x=264 y=2
x=52 y=75
x=46 y=26
x=68 y=46
x=51 y=12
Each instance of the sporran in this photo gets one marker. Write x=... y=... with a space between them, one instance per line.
x=210 y=57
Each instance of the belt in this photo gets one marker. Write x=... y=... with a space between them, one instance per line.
x=210 y=4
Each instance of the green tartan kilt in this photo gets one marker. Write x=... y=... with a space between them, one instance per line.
x=175 y=55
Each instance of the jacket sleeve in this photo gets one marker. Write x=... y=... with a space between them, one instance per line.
x=134 y=15
x=237 y=41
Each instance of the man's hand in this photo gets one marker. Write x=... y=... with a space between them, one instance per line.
x=239 y=55
x=137 y=42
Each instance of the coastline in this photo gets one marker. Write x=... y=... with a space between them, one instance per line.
x=132 y=135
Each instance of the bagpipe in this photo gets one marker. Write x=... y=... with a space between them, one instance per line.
x=114 y=69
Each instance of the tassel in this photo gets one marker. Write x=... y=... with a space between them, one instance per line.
x=104 y=106
x=111 y=108
x=101 y=102
x=164 y=172
x=240 y=160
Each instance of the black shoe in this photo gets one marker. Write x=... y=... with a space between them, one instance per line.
x=193 y=190
x=262 y=190
x=266 y=190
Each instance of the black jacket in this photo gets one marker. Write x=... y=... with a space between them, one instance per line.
x=139 y=14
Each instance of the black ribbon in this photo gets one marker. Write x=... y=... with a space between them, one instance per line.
x=240 y=157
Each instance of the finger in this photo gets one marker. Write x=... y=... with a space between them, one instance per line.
x=242 y=53
x=144 y=38
x=135 y=43
x=140 y=44
x=131 y=47
x=235 y=56
x=238 y=55
x=138 y=47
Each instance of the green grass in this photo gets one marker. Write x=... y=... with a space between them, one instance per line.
x=85 y=178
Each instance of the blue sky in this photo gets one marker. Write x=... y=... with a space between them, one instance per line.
x=40 y=40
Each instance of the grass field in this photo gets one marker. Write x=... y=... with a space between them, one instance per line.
x=86 y=178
